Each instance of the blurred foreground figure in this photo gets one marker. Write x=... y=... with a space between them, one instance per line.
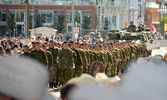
x=144 y=80
x=22 y=79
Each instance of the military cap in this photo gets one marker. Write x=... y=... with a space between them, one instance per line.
x=71 y=42
x=37 y=43
x=25 y=46
x=100 y=46
x=43 y=45
x=82 y=44
x=33 y=42
x=64 y=43
x=111 y=43
x=107 y=43
x=51 y=41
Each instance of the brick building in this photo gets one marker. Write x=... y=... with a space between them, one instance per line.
x=48 y=12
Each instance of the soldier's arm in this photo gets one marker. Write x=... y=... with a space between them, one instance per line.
x=45 y=59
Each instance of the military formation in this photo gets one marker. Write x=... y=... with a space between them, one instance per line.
x=71 y=59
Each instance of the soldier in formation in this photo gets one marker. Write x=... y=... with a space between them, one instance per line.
x=71 y=59
x=132 y=27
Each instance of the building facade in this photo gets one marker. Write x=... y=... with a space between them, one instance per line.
x=48 y=10
x=103 y=14
x=152 y=14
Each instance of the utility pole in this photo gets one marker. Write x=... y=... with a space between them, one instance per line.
x=72 y=19
x=33 y=14
x=27 y=18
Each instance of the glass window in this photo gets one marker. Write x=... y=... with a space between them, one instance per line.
x=20 y=15
x=47 y=16
x=69 y=16
x=77 y=16
x=2 y=15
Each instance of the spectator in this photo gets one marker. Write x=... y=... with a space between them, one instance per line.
x=97 y=67
x=64 y=92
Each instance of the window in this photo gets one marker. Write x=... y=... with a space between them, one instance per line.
x=2 y=15
x=47 y=16
x=146 y=17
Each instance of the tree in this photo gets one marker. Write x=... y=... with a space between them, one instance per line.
x=162 y=21
x=86 y=22
x=106 y=23
x=38 y=21
x=59 y=23
x=11 y=23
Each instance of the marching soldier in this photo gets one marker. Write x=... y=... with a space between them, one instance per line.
x=39 y=54
x=66 y=64
x=78 y=62
x=54 y=77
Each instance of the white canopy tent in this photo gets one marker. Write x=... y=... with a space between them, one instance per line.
x=43 y=31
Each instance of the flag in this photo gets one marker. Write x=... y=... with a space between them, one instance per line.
x=153 y=28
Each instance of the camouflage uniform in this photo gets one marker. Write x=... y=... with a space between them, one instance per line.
x=50 y=59
x=84 y=59
x=132 y=28
x=66 y=65
x=54 y=72
x=86 y=69
x=39 y=55
x=78 y=62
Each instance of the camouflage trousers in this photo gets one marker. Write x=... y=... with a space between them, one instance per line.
x=78 y=71
x=108 y=70
x=65 y=75
x=54 y=74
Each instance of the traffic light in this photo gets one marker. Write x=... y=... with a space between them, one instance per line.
x=165 y=27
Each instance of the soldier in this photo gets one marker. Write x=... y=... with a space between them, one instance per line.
x=49 y=56
x=50 y=63
x=131 y=27
x=32 y=45
x=39 y=54
x=77 y=60
x=55 y=71
x=84 y=58
x=26 y=51
x=66 y=64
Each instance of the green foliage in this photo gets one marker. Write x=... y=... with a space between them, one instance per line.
x=11 y=23
x=106 y=23
x=59 y=23
x=38 y=21
x=86 y=22
x=162 y=21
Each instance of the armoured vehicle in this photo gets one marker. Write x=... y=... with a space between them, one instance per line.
x=144 y=36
